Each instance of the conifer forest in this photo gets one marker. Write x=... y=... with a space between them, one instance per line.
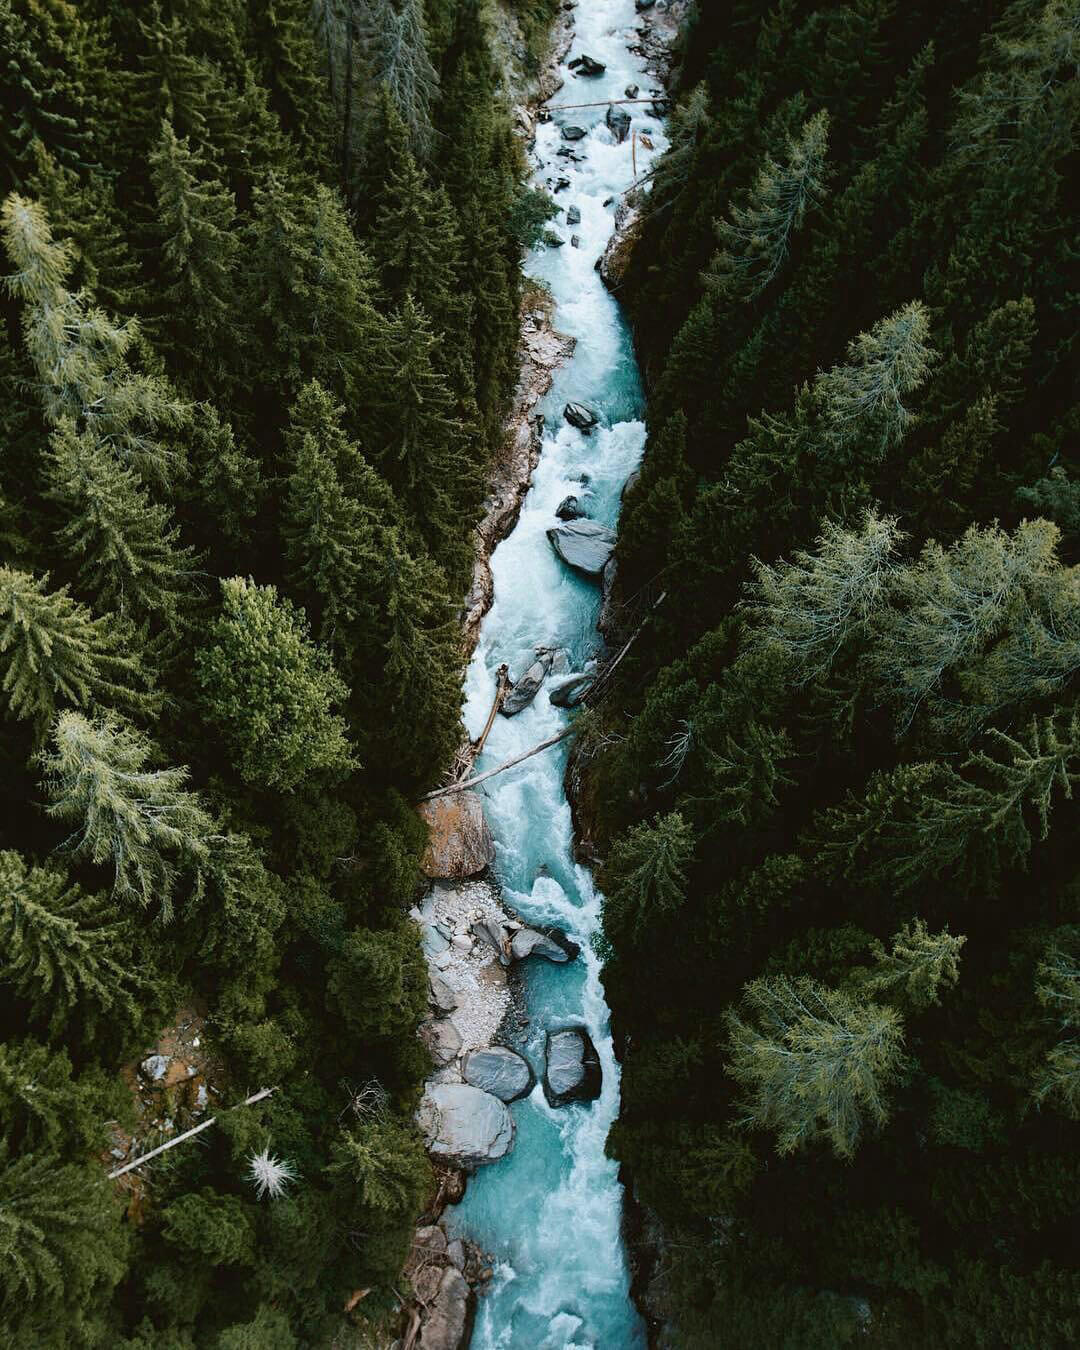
x=789 y=842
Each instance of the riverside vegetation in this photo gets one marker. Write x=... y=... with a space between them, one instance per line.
x=260 y=311
x=835 y=783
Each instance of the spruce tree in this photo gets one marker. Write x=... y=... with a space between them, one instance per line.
x=53 y=649
x=918 y=967
x=814 y=1063
x=394 y=40
x=271 y=691
x=645 y=876
x=62 y=949
x=145 y=824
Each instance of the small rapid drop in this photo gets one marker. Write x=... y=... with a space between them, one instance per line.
x=551 y=1212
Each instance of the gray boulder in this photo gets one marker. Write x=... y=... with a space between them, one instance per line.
x=459 y=841
x=440 y=995
x=154 y=1068
x=586 y=66
x=502 y=1072
x=580 y=415
x=526 y=687
x=583 y=545
x=569 y=693
x=575 y=241
x=443 y=1041
x=631 y=91
x=447 y=1315
x=573 y=133
x=465 y=1126
x=618 y=122
x=573 y=215
x=550 y=943
x=572 y=1067
x=569 y=508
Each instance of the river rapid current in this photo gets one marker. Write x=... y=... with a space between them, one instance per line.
x=550 y=1213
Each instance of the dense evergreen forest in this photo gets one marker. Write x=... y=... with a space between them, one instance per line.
x=836 y=787
x=260 y=306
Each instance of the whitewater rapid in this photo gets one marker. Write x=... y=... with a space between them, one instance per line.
x=551 y=1212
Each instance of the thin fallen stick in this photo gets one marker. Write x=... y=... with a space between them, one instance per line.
x=198 y=1129
x=499 y=768
x=476 y=749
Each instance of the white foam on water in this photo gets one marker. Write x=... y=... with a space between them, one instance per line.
x=550 y=1213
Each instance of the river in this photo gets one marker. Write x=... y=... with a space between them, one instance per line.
x=551 y=1212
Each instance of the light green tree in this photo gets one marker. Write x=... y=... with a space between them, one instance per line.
x=813 y=1062
x=270 y=690
x=143 y=823
x=918 y=967
x=384 y=1158
x=644 y=876
x=1057 y=987
x=754 y=242
x=52 y=650
x=59 y=947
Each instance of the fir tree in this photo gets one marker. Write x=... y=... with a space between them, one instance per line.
x=645 y=875
x=52 y=648
x=919 y=965
x=394 y=39
x=143 y=823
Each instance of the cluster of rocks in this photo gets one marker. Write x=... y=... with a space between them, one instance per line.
x=586 y=66
x=565 y=693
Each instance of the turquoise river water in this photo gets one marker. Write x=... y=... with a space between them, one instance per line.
x=551 y=1212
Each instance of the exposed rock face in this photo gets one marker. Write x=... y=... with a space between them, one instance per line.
x=550 y=943
x=459 y=841
x=572 y=1067
x=443 y=1040
x=464 y=1125
x=440 y=995
x=618 y=122
x=526 y=688
x=573 y=133
x=448 y=1314
x=617 y=252
x=569 y=508
x=500 y=1071
x=583 y=545
x=581 y=416
x=569 y=693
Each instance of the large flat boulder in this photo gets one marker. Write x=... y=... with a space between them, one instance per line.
x=526 y=687
x=464 y=1125
x=580 y=415
x=459 y=841
x=583 y=545
x=500 y=1071
x=572 y=1067
x=550 y=943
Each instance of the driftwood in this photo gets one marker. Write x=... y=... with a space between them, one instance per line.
x=468 y=756
x=500 y=768
x=188 y=1134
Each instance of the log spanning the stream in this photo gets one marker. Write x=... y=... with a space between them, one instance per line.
x=188 y=1134
x=499 y=768
x=604 y=103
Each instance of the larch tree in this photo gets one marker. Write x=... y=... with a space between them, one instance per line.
x=53 y=650
x=145 y=824
x=814 y=1063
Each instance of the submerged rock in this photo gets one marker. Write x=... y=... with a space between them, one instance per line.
x=572 y=1067
x=459 y=841
x=583 y=545
x=525 y=689
x=618 y=122
x=580 y=415
x=569 y=693
x=464 y=1125
x=569 y=508
x=501 y=1071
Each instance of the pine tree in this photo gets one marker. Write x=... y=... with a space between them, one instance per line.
x=756 y=239
x=1057 y=987
x=128 y=552
x=143 y=823
x=814 y=1063
x=394 y=40
x=270 y=690
x=814 y=606
x=41 y=1107
x=61 y=947
x=384 y=1159
x=919 y=965
x=52 y=648
x=644 y=876
x=195 y=226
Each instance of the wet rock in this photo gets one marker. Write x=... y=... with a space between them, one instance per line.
x=586 y=66
x=569 y=693
x=580 y=415
x=154 y=1068
x=618 y=122
x=550 y=943
x=562 y=184
x=642 y=5
x=631 y=91
x=573 y=215
x=526 y=687
x=448 y=1314
x=573 y=133
x=621 y=244
x=459 y=841
x=464 y=1125
x=572 y=1067
x=500 y=1071
x=583 y=545
x=570 y=508
x=552 y=240
x=575 y=241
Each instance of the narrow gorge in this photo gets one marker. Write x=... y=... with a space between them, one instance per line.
x=545 y=1202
